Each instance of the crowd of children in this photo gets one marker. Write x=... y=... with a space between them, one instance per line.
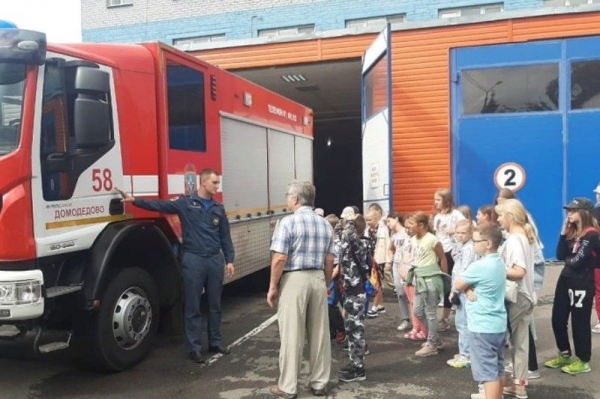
x=465 y=264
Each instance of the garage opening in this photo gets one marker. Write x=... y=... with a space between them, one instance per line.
x=332 y=90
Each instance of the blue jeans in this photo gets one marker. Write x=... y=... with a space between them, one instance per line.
x=202 y=273
x=460 y=321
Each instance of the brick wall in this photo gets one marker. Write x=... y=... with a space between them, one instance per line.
x=166 y=20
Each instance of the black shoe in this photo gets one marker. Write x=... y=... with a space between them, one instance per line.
x=347 y=368
x=320 y=392
x=219 y=349
x=356 y=374
x=196 y=357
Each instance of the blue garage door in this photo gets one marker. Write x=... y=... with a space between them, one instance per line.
x=510 y=106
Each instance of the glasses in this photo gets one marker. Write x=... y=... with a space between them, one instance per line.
x=480 y=240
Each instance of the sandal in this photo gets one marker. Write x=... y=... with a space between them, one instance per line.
x=410 y=334
x=419 y=336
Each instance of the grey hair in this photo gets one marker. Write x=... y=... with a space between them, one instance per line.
x=304 y=191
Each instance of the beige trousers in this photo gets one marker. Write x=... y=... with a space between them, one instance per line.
x=519 y=316
x=302 y=312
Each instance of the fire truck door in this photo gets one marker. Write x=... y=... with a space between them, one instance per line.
x=76 y=157
x=376 y=122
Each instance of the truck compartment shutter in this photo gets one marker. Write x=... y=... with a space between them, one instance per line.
x=303 y=151
x=245 y=175
x=281 y=167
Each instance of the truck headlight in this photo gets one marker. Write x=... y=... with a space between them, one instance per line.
x=20 y=293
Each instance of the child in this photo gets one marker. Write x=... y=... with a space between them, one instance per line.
x=354 y=271
x=428 y=280
x=395 y=222
x=574 y=293
x=379 y=236
x=467 y=213
x=419 y=331
x=444 y=223
x=486 y=214
x=484 y=283
x=463 y=255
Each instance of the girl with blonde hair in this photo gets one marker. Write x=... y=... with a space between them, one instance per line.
x=517 y=252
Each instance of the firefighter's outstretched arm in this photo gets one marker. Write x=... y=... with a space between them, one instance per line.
x=163 y=206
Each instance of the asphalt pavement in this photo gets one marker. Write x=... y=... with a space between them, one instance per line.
x=250 y=328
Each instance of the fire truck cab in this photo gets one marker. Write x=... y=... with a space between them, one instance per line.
x=77 y=121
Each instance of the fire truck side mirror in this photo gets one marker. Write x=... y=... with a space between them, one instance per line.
x=92 y=108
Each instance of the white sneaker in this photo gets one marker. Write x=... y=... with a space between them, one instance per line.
x=459 y=362
x=372 y=313
x=533 y=375
x=380 y=309
x=405 y=325
x=596 y=328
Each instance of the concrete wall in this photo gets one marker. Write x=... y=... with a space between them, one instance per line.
x=166 y=20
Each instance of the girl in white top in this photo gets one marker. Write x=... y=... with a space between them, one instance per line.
x=517 y=253
x=395 y=222
x=444 y=223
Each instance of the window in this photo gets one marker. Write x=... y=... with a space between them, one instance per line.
x=585 y=84
x=470 y=11
x=187 y=118
x=187 y=41
x=560 y=3
x=376 y=88
x=12 y=86
x=62 y=158
x=118 y=3
x=531 y=88
x=376 y=22
x=289 y=31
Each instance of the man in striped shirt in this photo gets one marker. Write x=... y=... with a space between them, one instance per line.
x=301 y=269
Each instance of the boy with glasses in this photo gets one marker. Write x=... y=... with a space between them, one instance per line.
x=484 y=284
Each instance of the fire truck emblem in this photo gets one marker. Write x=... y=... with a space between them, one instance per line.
x=215 y=221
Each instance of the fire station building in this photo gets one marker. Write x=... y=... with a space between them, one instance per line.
x=410 y=96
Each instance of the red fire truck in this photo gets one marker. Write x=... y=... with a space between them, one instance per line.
x=78 y=120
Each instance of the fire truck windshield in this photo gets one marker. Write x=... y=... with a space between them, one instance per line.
x=12 y=85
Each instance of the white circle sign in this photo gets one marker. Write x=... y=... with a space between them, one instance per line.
x=510 y=175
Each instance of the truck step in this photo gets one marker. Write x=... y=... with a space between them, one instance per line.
x=61 y=290
x=55 y=346
x=9 y=331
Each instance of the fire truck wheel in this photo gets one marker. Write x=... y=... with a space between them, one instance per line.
x=127 y=321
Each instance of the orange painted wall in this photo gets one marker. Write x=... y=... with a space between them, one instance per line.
x=421 y=85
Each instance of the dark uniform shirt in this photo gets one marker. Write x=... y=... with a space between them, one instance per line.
x=205 y=229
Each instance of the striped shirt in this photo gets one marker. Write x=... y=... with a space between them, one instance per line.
x=305 y=238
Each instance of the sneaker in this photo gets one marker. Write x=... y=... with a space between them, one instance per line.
x=443 y=325
x=561 y=360
x=518 y=391
x=438 y=344
x=356 y=374
x=380 y=309
x=405 y=325
x=459 y=362
x=340 y=337
x=347 y=368
x=577 y=367
x=596 y=328
x=372 y=313
x=441 y=304
x=427 y=350
x=533 y=375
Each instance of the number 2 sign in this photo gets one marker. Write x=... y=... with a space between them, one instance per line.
x=510 y=175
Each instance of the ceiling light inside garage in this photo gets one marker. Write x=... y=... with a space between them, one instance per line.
x=293 y=78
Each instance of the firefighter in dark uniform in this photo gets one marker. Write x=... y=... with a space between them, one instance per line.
x=207 y=254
